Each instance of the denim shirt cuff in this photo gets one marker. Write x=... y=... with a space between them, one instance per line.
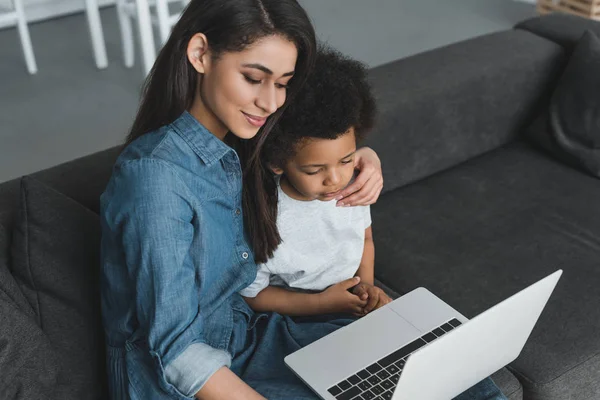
x=192 y=368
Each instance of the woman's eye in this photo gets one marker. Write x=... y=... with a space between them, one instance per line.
x=281 y=86
x=250 y=80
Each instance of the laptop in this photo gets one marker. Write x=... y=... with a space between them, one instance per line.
x=418 y=347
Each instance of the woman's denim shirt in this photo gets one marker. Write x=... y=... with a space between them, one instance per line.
x=174 y=257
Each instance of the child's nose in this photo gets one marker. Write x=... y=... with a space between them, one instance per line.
x=333 y=178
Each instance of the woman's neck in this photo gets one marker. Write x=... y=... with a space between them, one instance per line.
x=207 y=118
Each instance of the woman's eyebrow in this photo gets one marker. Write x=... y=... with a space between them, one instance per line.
x=265 y=69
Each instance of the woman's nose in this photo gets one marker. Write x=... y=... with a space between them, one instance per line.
x=267 y=99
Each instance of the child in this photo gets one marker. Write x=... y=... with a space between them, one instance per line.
x=325 y=261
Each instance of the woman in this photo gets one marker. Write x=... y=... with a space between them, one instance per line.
x=175 y=242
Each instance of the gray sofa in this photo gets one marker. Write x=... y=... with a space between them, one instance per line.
x=471 y=210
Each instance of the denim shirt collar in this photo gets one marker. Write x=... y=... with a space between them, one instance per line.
x=208 y=147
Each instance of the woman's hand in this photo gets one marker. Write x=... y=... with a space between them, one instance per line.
x=337 y=298
x=367 y=186
x=374 y=296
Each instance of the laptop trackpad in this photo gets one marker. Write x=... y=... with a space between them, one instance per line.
x=352 y=348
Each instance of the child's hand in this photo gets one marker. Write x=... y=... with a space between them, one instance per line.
x=374 y=296
x=337 y=298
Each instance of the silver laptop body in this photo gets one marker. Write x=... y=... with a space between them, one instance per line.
x=418 y=347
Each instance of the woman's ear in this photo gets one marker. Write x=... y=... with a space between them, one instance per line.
x=197 y=52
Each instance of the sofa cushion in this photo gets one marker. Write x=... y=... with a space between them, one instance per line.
x=27 y=360
x=561 y=28
x=445 y=106
x=509 y=384
x=479 y=232
x=27 y=357
x=55 y=255
x=83 y=180
x=570 y=128
x=4 y=248
x=9 y=287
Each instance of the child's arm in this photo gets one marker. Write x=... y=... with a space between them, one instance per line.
x=334 y=299
x=374 y=296
x=286 y=302
x=366 y=269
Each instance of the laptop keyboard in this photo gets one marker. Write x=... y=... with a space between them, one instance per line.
x=378 y=380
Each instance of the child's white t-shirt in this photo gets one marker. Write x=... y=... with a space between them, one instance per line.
x=321 y=245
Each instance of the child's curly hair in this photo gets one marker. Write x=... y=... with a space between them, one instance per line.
x=336 y=97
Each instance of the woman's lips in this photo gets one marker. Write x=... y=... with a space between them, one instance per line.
x=254 y=120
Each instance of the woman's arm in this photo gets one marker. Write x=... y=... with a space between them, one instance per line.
x=149 y=219
x=225 y=385
x=368 y=184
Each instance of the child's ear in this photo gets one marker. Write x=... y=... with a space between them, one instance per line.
x=276 y=170
x=197 y=52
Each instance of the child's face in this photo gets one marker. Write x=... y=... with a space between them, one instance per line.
x=321 y=168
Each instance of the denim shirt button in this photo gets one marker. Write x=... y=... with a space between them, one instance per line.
x=238 y=211
x=245 y=255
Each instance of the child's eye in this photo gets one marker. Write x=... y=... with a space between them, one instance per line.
x=311 y=173
x=250 y=80
x=347 y=161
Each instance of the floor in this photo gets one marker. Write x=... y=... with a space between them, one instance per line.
x=71 y=109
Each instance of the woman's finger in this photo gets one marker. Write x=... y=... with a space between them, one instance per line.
x=366 y=196
x=356 y=198
x=372 y=197
x=360 y=181
x=375 y=192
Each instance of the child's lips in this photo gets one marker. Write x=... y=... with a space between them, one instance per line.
x=332 y=194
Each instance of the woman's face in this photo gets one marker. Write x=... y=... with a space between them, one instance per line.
x=239 y=90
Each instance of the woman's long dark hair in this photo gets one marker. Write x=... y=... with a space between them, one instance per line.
x=169 y=90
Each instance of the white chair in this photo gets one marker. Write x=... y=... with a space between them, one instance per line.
x=128 y=10
x=96 y=34
x=16 y=17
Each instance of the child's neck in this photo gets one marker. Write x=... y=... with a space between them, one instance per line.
x=290 y=190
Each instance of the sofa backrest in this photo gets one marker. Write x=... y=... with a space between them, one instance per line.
x=561 y=28
x=83 y=180
x=436 y=109
x=443 y=107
